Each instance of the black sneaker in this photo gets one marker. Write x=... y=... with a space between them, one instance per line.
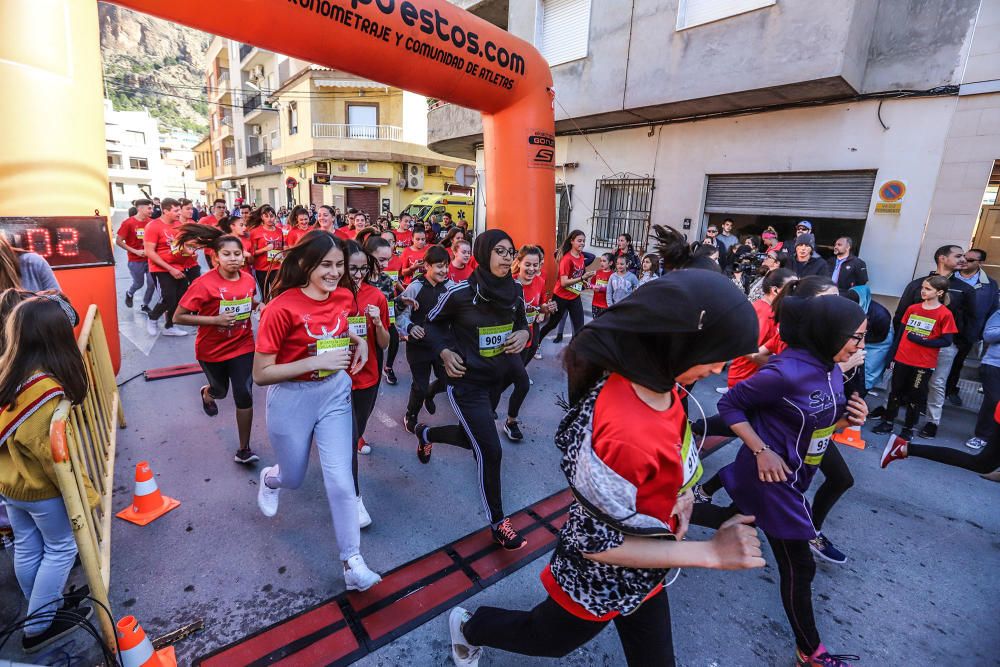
x=74 y=596
x=424 y=448
x=429 y=404
x=409 y=422
x=557 y=339
x=128 y=300
x=245 y=456
x=929 y=431
x=954 y=399
x=513 y=431
x=505 y=535
x=390 y=375
x=883 y=428
x=906 y=433
x=146 y=310
x=700 y=497
x=877 y=413
x=67 y=622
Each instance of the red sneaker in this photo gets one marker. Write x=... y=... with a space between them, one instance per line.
x=895 y=449
x=364 y=447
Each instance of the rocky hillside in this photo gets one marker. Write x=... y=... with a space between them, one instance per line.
x=155 y=64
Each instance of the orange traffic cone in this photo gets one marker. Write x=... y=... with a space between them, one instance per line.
x=137 y=650
x=147 y=503
x=850 y=436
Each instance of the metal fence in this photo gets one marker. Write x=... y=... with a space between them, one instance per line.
x=621 y=205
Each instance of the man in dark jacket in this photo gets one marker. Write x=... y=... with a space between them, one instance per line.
x=986 y=295
x=962 y=300
x=846 y=269
x=803 y=262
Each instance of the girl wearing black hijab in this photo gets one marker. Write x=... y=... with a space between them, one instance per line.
x=785 y=415
x=631 y=477
x=478 y=329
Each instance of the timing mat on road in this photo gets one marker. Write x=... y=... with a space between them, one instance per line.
x=351 y=625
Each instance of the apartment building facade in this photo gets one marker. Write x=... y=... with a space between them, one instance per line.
x=354 y=143
x=132 y=142
x=874 y=119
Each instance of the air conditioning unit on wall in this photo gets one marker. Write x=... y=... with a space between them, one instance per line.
x=413 y=174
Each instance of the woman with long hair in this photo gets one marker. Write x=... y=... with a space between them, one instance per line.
x=571 y=280
x=267 y=243
x=304 y=357
x=785 y=414
x=381 y=247
x=24 y=270
x=40 y=365
x=478 y=330
x=219 y=303
x=630 y=477
x=625 y=249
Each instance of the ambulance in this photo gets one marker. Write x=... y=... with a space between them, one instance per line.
x=438 y=203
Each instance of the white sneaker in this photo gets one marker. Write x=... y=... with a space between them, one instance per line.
x=462 y=652
x=267 y=498
x=357 y=576
x=722 y=390
x=175 y=331
x=975 y=443
x=538 y=355
x=363 y=516
x=151 y=327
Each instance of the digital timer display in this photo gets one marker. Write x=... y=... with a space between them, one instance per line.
x=64 y=242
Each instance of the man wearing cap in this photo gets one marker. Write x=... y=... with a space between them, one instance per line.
x=804 y=261
x=846 y=269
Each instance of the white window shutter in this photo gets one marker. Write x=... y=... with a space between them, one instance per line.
x=697 y=12
x=565 y=30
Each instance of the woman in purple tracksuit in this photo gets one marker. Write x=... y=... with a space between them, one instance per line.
x=785 y=415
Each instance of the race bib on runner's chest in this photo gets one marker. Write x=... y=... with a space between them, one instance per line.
x=922 y=326
x=492 y=339
x=532 y=315
x=394 y=275
x=575 y=288
x=327 y=345
x=140 y=233
x=392 y=312
x=691 y=459
x=601 y=283
x=238 y=307
x=358 y=325
x=817 y=445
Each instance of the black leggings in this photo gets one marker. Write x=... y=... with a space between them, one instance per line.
x=572 y=306
x=171 y=291
x=796 y=570
x=474 y=405
x=550 y=631
x=265 y=278
x=837 y=477
x=984 y=461
x=909 y=387
x=362 y=403
x=522 y=385
x=237 y=371
x=421 y=386
x=393 y=349
x=529 y=352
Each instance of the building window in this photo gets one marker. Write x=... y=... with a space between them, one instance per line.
x=362 y=121
x=293 y=118
x=134 y=137
x=698 y=12
x=120 y=188
x=218 y=158
x=275 y=139
x=362 y=167
x=563 y=30
x=621 y=205
x=138 y=163
x=114 y=161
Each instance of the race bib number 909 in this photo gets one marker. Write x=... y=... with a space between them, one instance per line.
x=492 y=339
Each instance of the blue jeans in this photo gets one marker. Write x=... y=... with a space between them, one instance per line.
x=140 y=274
x=44 y=551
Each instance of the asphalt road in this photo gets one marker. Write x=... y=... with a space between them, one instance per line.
x=919 y=587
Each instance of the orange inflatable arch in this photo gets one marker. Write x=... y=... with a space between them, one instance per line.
x=429 y=47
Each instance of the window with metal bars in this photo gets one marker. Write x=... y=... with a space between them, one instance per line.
x=621 y=205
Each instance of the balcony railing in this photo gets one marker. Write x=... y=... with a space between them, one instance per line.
x=245 y=50
x=345 y=131
x=227 y=120
x=254 y=102
x=258 y=159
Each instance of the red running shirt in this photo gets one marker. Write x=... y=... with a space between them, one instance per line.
x=458 y=275
x=259 y=238
x=295 y=235
x=132 y=232
x=601 y=295
x=742 y=368
x=410 y=257
x=209 y=220
x=293 y=321
x=534 y=294
x=929 y=324
x=404 y=239
x=571 y=267
x=164 y=236
x=211 y=295
x=369 y=295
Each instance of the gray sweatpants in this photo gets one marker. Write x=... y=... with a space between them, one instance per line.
x=298 y=413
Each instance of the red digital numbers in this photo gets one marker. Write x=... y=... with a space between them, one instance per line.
x=38 y=240
x=69 y=241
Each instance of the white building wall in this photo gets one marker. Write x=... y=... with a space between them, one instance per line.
x=125 y=182
x=414 y=118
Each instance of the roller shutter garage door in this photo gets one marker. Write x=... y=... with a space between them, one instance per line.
x=364 y=199
x=818 y=194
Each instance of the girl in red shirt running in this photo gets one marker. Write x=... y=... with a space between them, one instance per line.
x=299 y=224
x=219 y=303
x=304 y=356
x=623 y=534
x=599 y=303
x=267 y=243
x=571 y=281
